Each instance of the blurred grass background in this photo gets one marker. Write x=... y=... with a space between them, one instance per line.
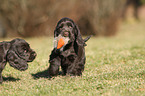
x=31 y=18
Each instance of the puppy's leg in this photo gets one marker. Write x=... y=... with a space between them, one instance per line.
x=75 y=71
x=54 y=66
x=2 y=65
x=76 y=68
x=64 y=68
x=1 y=79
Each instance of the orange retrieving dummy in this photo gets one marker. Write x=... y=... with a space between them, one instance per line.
x=60 y=43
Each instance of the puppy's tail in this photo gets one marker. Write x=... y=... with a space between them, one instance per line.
x=87 y=38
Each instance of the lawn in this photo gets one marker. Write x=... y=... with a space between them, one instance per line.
x=115 y=66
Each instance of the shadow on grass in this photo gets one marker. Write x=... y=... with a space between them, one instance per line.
x=5 y=79
x=42 y=74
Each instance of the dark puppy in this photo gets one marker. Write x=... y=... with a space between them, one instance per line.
x=17 y=52
x=68 y=52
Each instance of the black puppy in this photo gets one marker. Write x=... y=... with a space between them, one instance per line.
x=17 y=52
x=68 y=52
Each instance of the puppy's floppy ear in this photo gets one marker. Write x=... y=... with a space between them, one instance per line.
x=55 y=32
x=6 y=47
x=78 y=37
x=79 y=42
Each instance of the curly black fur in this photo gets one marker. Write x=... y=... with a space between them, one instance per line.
x=17 y=52
x=71 y=57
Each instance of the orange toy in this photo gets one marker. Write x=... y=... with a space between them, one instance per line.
x=60 y=43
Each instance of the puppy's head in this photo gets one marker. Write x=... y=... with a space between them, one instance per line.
x=65 y=33
x=19 y=54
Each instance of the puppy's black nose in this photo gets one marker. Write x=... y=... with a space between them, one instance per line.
x=33 y=54
x=66 y=34
x=32 y=57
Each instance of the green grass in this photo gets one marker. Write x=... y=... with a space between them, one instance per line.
x=115 y=66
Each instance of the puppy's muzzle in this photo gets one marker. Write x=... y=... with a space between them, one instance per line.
x=32 y=56
x=66 y=34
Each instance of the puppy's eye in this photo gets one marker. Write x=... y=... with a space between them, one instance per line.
x=69 y=25
x=25 y=50
x=61 y=26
